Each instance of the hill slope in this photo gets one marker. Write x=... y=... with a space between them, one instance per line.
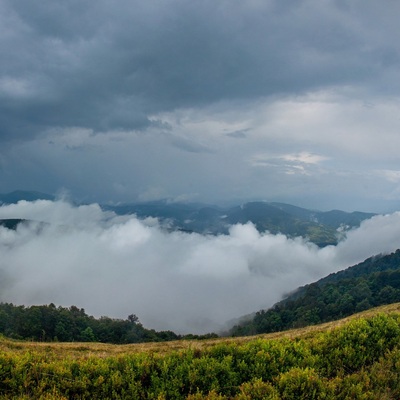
x=357 y=359
x=376 y=281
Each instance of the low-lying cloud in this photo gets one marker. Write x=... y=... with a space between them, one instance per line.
x=117 y=265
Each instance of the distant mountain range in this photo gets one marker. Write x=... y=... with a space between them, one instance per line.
x=18 y=195
x=322 y=228
x=319 y=227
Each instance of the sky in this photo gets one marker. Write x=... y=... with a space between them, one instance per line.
x=189 y=283
x=203 y=101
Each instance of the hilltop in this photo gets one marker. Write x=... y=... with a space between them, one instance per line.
x=355 y=358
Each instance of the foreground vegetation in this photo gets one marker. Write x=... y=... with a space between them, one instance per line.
x=358 y=358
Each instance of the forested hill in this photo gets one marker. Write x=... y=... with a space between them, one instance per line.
x=374 y=282
x=377 y=263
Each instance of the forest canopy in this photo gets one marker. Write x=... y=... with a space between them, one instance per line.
x=51 y=323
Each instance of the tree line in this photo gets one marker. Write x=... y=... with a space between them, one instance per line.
x=50 y=323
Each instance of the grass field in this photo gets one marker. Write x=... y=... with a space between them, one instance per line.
x=357 y=357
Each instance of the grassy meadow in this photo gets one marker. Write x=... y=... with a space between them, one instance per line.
x=354 y=358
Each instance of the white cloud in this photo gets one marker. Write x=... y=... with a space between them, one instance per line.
x=15 y=88
x=390 y=175
x=304 y=158
x=185 y=282
x=303 y=163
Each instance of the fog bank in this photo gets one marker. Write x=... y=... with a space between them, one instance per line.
x=118 y=265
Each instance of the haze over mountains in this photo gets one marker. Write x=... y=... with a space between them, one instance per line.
x=174 y=278
x=319 y=227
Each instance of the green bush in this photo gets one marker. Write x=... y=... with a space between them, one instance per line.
x=360 y=360
x=303 y=384
x=258 y=390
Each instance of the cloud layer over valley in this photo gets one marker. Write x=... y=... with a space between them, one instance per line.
x=117 y=265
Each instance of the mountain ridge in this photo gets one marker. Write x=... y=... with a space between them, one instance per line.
x=320 y=227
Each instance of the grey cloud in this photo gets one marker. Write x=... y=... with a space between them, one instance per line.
x=189 y=145
x=112 y=65
x=241 y=134
x=165 y=87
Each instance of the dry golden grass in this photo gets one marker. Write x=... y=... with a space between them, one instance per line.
x=85 y=350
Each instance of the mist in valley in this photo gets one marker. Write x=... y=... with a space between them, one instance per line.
x=186 y=282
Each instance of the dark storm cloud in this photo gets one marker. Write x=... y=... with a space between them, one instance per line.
x=109 y=65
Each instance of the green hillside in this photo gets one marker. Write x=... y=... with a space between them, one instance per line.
x=374 y=282
x=358 y=358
